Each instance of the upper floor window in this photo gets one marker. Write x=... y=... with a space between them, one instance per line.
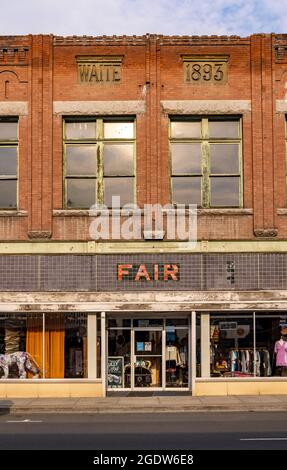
x=99 y=161
x=206 y=161
x=8 y=162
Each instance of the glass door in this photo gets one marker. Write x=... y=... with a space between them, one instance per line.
x=119 y=358
x=147 y=358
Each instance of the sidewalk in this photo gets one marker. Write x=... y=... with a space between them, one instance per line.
x=159 y=404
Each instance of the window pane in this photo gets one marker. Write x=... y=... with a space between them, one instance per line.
x=232 y=347
x=99 y=349
x=21 y=338
x=176 y=322
x=176 y=356
x=224 y=158
x=148 y=322
x=224 y=129
x=119 y=323
x=185 y=129
x=268 y=332
x=81 y=130
x=8 y=161
x=123 y=187
x=225 y=191
x=186 y=158
x=118 y=160
x=119 y=130
x=119 y=358
x=81 y=159
x=66 y=342
x=8 y=130
x=81 y=193
x=186 y=190
x=8 y=194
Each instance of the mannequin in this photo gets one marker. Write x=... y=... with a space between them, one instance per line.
x=280 y=350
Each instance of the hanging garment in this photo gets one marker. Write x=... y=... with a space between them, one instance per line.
x=172 y=354
x=280 y=350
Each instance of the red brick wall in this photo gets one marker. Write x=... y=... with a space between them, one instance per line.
x=257 y=72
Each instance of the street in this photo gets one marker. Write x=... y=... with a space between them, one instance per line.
x=192 y=431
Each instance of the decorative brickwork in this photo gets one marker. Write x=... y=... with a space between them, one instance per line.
x=40 y=71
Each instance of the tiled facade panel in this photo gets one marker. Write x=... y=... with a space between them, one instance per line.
x=225 y=272
x=273 y=271
x=92 y=273
x=67 y=273
x=20 y=273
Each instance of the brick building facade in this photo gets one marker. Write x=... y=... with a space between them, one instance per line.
x=157 y=120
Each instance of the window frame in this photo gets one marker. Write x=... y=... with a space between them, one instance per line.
x=286 y=158
x=11 y=143
x=99 y=141
x=205 y=143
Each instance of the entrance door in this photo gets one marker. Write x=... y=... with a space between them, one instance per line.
x=146 y=354
x=147 y=364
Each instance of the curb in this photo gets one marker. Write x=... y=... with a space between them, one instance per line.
x=159 y=409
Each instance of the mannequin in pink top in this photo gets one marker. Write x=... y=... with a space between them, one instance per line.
x=280 y=349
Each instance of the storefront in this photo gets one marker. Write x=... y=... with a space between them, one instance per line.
x=91 y=354
x=191 y=326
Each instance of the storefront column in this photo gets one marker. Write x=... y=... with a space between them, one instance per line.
x=103 y=351
x=205 y=344
x=193 y=350
x=92 y=346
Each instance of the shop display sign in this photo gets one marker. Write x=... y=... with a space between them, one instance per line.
x=147 y=346
x=140 y=346
x=115 y=371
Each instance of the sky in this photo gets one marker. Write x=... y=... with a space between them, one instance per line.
x=178 y=17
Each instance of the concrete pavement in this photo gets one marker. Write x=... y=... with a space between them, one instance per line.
x=140 y=404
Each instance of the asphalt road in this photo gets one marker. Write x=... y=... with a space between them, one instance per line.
x=192 y=431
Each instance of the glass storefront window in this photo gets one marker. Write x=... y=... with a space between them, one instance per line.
x=99 y=345
x=21 y=340
x=241 y=345
x=198 y=346
x=43 y=345
x=271 y=358
x=176 y=357
x=231 y=346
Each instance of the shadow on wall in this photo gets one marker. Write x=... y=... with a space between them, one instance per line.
x=5 y=407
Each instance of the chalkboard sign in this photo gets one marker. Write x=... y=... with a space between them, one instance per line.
x=115 y=371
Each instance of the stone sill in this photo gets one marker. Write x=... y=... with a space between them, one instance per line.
x=231 y=211
x=282 y=211
x=13 y=213
x=126 y=212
